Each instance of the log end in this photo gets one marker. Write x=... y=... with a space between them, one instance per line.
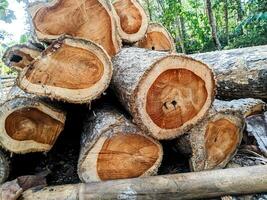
x=173 y=95
x=157 y=38
x=222 y=134
x=19 y=56
x=90 y=20
x=72 y=70
x=132 y=21
x=27 y=126
x=121 y=156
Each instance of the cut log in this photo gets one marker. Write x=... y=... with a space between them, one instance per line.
x=114 y=148
x=72 y=70
x=241 y=73
x=166 y=94
x=213 y=142
x=28 y=123
x=87 y=19
x=4 y=166
x=196 y=185
x=19 y=56
x=132 y=21
x=157 y=38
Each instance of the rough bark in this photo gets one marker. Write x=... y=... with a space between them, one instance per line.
x=157 y=38
x=19 y=56
x=72 y=70
x=114 y=148
x=131 y=18
x=159 y=89
x=4 y=166
x=257 y=127
x=196 y=185
x=212 y=22
x=212 y=143
x=87 y=19
x=28 y=123
x=240 y=73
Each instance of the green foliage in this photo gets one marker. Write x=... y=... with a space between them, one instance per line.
x=6 y=14
x=250 y=30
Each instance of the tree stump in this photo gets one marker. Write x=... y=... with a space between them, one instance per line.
x=166 y=94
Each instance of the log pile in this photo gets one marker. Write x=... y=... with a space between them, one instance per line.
x=159 y=94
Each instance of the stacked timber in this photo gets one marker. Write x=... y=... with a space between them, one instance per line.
x=162 y=95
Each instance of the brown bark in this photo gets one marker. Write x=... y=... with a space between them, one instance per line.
x=73 y=70
x=114 y=148
x=28 y=123
x=160 y=89
x=212 y=22
x=196 y=185
x=240 y=73
x=212 y=143
x=19 y=56
x=88 y=19
x=131 y=18
x=157 y=38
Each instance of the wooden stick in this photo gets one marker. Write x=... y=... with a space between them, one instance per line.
x=166 y=94
x=91 y=20
x=241 y=73
x=73 y=70
x=114 y=148
x=195 y=185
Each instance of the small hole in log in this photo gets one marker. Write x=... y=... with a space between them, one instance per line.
x=16 y=58
x=153 y=48
x=174 y=103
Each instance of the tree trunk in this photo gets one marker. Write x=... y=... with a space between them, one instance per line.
x=19 y=56
x=166 y=94
x=157 y=38
x=212 y=143
x=114 y=148
x=196 y=185
x=90 y=20
x=4 y=166
x=239 y=11
x=179 y=34
x=241 y=73
x=226 y=21
x=27 y=123
x=212 y=24
x=72 y=70
x=131 y=18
